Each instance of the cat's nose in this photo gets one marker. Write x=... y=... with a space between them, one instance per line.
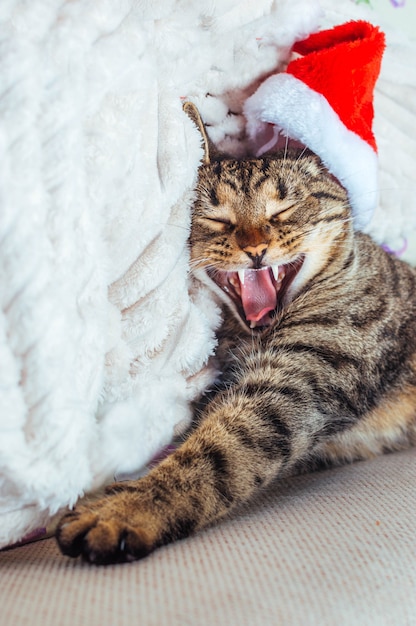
x=256 y=253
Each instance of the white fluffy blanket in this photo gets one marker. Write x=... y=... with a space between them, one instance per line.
x=103 y=341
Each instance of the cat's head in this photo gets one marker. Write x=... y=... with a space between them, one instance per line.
x=262 y=229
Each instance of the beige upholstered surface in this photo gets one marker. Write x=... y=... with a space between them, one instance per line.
x=330 y=548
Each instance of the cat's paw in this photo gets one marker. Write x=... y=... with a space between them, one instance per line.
x=107 y=531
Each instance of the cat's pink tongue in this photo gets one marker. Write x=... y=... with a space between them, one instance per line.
x=258 y=294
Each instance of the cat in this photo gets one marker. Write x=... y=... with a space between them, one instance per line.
x=317 y=353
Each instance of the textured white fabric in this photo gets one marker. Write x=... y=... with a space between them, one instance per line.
x=101 y=344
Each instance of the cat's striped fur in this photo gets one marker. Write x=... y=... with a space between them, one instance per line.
x=328 y=375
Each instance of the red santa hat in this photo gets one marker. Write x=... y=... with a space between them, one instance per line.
x=324 y=100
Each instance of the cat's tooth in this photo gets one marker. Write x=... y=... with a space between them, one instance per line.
x=275 y=270
x=241 y=276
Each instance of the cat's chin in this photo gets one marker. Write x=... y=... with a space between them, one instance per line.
x=256 y=295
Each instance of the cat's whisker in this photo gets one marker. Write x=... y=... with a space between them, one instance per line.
x=286 y=147
x=294 y=164
x=179 y=226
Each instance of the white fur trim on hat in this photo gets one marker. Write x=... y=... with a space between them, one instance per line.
x=306 y=116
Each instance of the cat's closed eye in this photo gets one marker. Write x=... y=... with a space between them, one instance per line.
x=282 y=213
x=219 y=224
x=277 y=209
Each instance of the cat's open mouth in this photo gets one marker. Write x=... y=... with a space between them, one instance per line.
x=257 y=293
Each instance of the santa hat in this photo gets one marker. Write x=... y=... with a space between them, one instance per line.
x=324 y=100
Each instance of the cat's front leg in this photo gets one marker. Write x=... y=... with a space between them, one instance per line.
x=221 y=464
x=134 y=517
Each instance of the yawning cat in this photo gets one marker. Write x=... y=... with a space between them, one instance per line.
x=317 y=353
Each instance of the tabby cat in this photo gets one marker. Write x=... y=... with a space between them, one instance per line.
x=317 y=352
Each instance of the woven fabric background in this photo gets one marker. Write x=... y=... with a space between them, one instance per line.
x=332 y=547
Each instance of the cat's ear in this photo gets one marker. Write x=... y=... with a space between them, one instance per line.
x=209 y=148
